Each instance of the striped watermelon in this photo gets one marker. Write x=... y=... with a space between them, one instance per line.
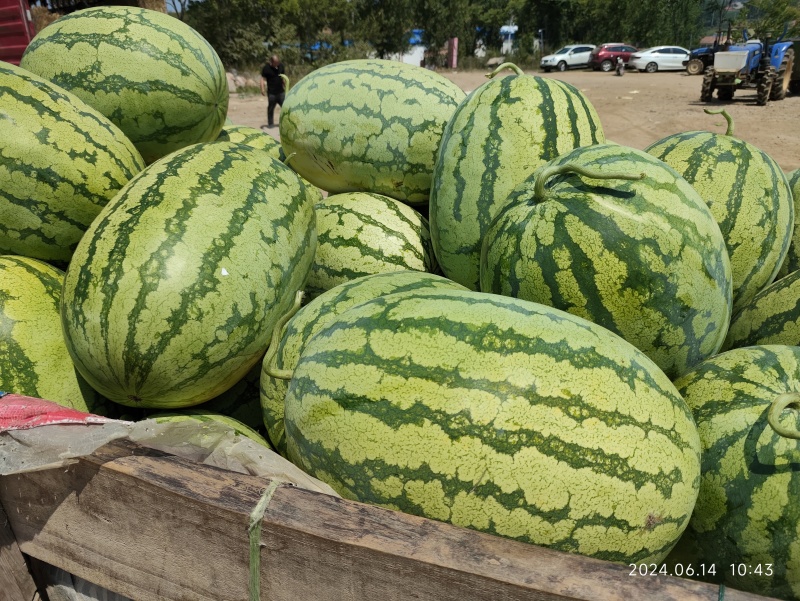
x=748 y=195
x=500 y=415
x=792 y=262
x=209 y=417
x=242 y=134
x=172 y=295
x=643 y=258
x=33 y=357
x=502 y=132
x=154 y=76
x=316 y=315
x=361 y=233
x=771 y=317
x=368 y=125
x=747 y=510
x=60 y=163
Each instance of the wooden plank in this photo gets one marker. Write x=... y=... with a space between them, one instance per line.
x=16 y=582
x=158 y=528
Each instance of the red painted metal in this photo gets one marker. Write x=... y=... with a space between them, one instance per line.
x=16 y=29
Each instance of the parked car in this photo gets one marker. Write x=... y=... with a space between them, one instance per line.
x=574 y=55
x=659 y=58
x=604 y=56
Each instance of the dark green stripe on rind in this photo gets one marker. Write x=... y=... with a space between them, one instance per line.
x=60 y=163
x=173 y=293
x=745 y=511
x=368 y=125
x=500 y=415
x=749 y=197
x=311 y=318
x=643 y=258
x=771 y=317
x=497 y=137
x=151 y=74
x=360 y=234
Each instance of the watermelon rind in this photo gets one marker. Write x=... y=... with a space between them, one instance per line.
x=172 y=295
x=150 y=73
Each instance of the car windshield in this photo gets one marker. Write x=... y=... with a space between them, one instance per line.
x=563 y=50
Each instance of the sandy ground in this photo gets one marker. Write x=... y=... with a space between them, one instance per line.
x=639 y=109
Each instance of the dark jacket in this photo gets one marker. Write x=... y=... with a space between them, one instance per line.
x=273 y=77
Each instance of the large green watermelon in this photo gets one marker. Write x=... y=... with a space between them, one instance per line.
x=204 y=416
x=771 y=317
x=644 y=257
x=150 y=73
x=242 y=134
x=748 y=195
x=172 y=295
x=60 y=163
x=501 y=415
x=361 y=233
x=33 y=357
x=747 y=517
x=312 y=318
x=497 y=137
x=368 y=125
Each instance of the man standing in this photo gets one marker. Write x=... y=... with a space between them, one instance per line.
x=272 y=87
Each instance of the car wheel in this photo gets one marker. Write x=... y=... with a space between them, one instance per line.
x=562 y=66
x=651 y=67
x=606 y=65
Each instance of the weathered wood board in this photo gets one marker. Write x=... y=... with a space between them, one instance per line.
x=155 y=527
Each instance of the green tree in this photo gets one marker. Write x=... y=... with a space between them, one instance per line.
x=385 y=24
x=767 y=18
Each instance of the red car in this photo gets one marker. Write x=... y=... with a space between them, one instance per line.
x=604 y=56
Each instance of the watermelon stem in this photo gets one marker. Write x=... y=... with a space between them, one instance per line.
x=775 y=410
x=728 y=118
x=288 y=158
x=270 y=358
x=285 y=82
x=511 y=66
x=540 y=193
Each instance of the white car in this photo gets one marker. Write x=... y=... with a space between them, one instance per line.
x=575 y=55
x=659 y=58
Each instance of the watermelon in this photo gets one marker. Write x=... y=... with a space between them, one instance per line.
x=203 y=416
x=173 y=292
x=642 y=257
x=497 y=137
x=771 y=317
x=745 y=403
x=242 y=134
x=33 y=357
x=362 y=233
x=368 y=125
x=311 y=318
x=792 y=262
x=748 y=195
x=154 y=76
x=60 y=163
x=500 y=415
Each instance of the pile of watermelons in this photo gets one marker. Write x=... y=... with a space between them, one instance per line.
x=510 y=323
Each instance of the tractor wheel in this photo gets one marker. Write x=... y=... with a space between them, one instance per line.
x=765 y=87
x=707 y=89
x=695 y=67
x=725 y=93
x=781 y=83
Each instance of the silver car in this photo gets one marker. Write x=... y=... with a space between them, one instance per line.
x=659 y=58
x=574 y=55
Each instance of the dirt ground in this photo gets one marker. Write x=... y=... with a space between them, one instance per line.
x=639 y=109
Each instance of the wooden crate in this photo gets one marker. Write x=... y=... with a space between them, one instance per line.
x=155 y=527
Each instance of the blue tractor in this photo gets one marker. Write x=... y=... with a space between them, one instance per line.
x=765 y=67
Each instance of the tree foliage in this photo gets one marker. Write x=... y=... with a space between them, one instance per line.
x=314 y=32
